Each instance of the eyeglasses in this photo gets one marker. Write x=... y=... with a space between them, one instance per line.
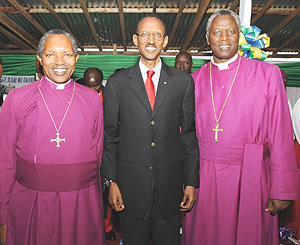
x=145 y=35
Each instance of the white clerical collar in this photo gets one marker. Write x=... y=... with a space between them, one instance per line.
x=224 y=65
x=59 y=86
x=156 y=69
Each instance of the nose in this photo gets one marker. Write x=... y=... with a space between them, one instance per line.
x=224 y=35
x=59 y=59
x=151 y=38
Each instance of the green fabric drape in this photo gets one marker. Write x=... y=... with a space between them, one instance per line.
x=293 y=72
x=24 y=65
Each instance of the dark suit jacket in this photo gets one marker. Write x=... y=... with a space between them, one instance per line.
x=139 y=143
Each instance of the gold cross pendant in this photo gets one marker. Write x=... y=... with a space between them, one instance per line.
x=58 y=140
x=217 y=130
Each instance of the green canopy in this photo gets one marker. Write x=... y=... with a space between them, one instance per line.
x=24 y=65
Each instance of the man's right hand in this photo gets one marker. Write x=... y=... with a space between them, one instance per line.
x=2 y=234
x=115 y=197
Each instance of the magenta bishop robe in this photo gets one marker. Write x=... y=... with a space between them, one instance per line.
x=51 y=217
x=253 y=160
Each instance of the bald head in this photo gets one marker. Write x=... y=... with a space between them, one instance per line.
x=149 y=17
x=184 y=62
x=93 y=78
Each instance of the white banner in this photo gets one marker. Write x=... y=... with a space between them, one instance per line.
x=16 y=81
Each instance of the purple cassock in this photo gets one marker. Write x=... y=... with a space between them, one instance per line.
x=48 y=194
x=253 y=160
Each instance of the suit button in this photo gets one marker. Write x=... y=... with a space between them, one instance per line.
x=150 y=168
x=153 y=144
x=152 y=122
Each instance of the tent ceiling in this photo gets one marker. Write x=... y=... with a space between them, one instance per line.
x=107 y=26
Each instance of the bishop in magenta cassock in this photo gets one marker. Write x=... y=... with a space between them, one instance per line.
x=247 y=159
x=50 y=152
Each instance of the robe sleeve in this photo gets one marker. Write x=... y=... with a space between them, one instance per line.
x=8 y=138
x=284 y=175
x=111 y=131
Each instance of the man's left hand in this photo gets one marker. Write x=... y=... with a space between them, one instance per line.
x=274 y=206
x=188 y=198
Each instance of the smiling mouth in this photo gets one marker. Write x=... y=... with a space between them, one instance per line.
x=224 y=47
x=151 y=49
x=60 y=71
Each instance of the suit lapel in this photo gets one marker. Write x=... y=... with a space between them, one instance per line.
x=164 y=86
x=137 y=85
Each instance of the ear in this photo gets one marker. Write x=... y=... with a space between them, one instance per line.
x=76 y=57
x=207 y=39
x=39 y=59
x=135 y=39
x=166 y=40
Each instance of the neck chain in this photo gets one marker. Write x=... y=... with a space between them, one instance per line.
x=217 y=129
x=58 y=139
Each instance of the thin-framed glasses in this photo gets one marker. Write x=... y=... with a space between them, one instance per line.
x=145 y=35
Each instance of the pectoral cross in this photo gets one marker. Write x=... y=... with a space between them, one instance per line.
x=217 y=130
x=58 y=140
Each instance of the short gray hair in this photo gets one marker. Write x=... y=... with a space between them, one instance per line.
x=222 y=12
x=55 y=32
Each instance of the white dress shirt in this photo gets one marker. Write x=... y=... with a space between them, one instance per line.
x=156 y=75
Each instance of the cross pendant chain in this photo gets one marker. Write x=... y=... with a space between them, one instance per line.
x=58 y=140
x=217 y=130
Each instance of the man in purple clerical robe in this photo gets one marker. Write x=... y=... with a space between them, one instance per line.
x=247 y=160
x=50 y=153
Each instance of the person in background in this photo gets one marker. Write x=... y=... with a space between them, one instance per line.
x=248 y=169
x=50 y=154
x=146 y=158
x=93 y=78
x=184 y=62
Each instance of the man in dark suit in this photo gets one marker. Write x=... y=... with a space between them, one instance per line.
x=150 y=146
